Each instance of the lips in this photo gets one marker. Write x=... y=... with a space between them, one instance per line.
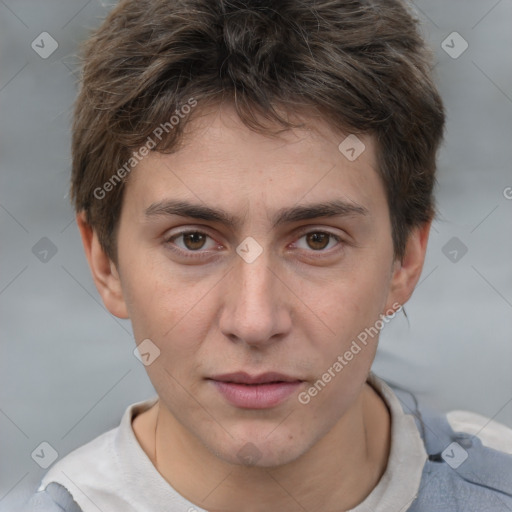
x=255 y=392
x=244 y=378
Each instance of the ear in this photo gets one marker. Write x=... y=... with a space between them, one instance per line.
x=104 y=272
x=407 y=272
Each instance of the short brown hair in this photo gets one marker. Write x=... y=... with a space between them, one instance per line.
x=361 y=64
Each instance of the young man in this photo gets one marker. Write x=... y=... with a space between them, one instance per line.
x=253 y=185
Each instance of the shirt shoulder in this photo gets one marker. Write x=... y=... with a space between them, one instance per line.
x=103 y=473
x=469 y=466
x=492 y=433
x=54 y=498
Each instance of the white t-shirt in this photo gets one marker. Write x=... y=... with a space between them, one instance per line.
x=113 y=473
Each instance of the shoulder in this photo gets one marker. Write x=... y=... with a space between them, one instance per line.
x=492 y=433
x=54 y=498
x=53 y=494
x=101 y=468
x=88 y=459
x=469 y=466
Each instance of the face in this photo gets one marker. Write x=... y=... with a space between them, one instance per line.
x=251 y=255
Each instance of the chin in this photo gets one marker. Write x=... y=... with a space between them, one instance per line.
x=263 y=450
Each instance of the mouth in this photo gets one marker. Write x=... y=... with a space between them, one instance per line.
x=255 y=392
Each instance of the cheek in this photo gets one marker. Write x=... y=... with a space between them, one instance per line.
x=357 y=298
x=155 y=298
x=175 y=315
x=343 y=360
x=176 y=323
x=351 y=309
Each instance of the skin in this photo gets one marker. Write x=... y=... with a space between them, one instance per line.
x=294 y=310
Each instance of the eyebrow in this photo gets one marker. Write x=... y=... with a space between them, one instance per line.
x=334 y=208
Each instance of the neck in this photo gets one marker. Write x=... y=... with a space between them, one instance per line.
x=337 y=473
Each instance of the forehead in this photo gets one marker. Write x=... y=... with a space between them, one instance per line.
x=220 y=160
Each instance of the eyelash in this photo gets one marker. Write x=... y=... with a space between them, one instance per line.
x=169 y=241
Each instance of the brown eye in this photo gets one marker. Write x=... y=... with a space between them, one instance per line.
x=194 y=240
x=195 y=245
x=318 y=241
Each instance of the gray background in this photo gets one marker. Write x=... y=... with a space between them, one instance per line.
x=67 y=367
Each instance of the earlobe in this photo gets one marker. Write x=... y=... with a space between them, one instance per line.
x=407 y=272
x=104 y=272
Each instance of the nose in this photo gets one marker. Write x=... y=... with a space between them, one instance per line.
x=256 y=306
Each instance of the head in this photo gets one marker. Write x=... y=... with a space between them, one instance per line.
x=297 y=142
